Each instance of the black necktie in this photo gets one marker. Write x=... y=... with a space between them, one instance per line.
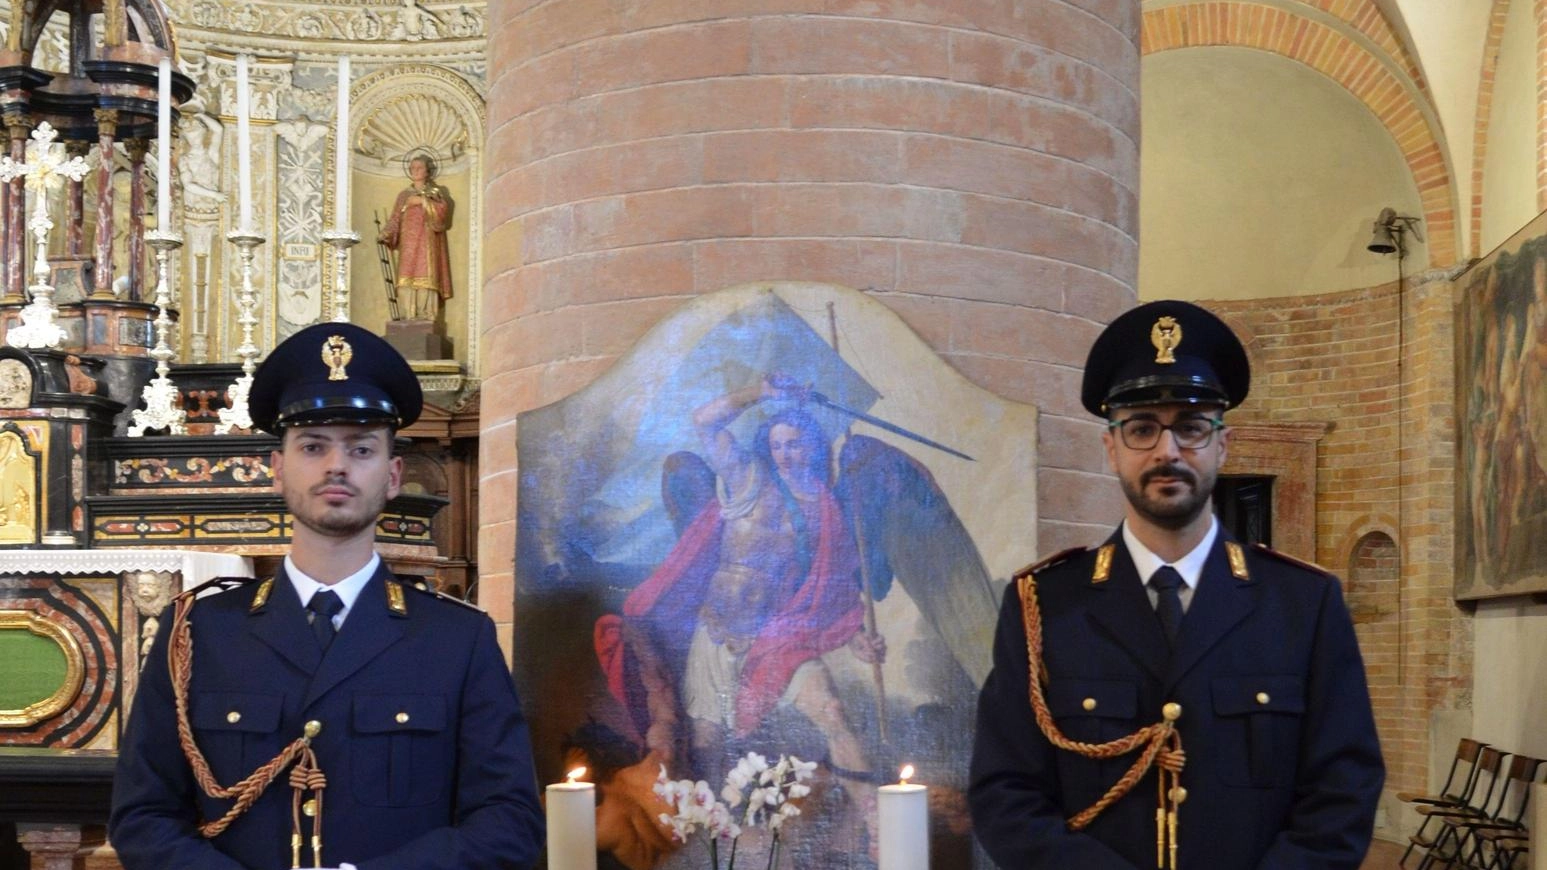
x=323 y=606
x=1168 y=601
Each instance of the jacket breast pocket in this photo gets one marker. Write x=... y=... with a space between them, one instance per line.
x=1258 y=728
x=236 y=731
x=1093 y=711
x=399 y=752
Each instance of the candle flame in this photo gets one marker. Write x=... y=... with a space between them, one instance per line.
x=905 y=774
x=575 y=774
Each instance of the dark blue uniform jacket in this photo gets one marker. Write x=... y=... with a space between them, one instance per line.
x=423 y=744
x=1283 y=766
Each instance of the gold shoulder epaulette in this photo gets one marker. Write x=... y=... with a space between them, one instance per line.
x=419 y=584
x=1298 y=563
x=1050 y=561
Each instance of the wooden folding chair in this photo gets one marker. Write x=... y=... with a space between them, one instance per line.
x=1508 y=822
x=1436 y=846
x=1455 y=792
x=1459 y=842
x=1511 y=853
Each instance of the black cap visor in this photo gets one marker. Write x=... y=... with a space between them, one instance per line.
x=329 y=410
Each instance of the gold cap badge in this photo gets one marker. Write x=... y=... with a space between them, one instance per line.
x=1165 y=335
x=337 y=353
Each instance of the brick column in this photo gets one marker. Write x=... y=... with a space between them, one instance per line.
x=972 y=165
x=1539 y=15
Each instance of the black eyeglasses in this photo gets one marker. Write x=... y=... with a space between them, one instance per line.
x=1143 y=433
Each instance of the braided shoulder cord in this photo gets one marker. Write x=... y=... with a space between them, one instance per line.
x=1155 y=738
x=247 y=791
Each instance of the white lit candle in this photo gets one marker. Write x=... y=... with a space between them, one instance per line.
x=904 y=827
x=341 y=158
x=243 y=147
x=164 y=146
x=572 y=823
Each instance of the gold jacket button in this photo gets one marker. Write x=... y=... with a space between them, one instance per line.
x=233 y=717
x=1089 y=703
x=310 y=807
x=1171 y=711
x=402 y=718
x=313 y=728
x=1262 y=697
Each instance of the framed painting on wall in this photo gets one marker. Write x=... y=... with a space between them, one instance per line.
x=1501 y=420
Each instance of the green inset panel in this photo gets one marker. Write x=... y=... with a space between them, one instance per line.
x=32 y=668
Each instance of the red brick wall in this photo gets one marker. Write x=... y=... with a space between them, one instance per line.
x=1377 y=366
x=973 y=165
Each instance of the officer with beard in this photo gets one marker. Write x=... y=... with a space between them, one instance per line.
x=1172 y=698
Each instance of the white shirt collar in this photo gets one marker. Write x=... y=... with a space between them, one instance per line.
x=348 y=589
x=1189 y=566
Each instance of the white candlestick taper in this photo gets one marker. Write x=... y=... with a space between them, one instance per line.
x=164 y=146
x=341 y=156
x=243 y=147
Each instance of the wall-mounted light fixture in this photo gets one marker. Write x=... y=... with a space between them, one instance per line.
x=1389 y=227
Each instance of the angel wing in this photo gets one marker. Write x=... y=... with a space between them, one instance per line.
x=908 y=531
x=687 y=484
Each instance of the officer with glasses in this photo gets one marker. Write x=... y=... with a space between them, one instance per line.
x=1171 y=698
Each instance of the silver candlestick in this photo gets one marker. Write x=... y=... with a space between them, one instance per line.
x=235 y=414
x=342 y=240
x=163 y=405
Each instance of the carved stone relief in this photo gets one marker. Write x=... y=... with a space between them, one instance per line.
x=302 y=156
x=379 y=21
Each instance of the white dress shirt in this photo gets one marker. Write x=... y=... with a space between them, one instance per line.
x=348 y=589
x=1189 y=566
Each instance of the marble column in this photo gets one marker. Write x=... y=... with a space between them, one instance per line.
x=58 y=846
x=19 y=127
x=136 y=149
x=75 y=199
x=107 y=130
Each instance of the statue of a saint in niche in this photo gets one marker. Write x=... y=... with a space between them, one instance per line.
x=416 y=230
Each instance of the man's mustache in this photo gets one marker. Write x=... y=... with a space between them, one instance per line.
x=1177 y=472
x=334 y=483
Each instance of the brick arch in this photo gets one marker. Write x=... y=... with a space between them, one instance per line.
x=1496 y=19
x=1333 y=54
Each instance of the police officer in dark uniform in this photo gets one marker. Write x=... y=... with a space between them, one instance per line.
x=1172 y=698
x=331 y=715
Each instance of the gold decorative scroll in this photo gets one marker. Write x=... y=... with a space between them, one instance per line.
x=75 y=669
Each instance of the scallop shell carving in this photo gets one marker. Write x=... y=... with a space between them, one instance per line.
x=410 y=123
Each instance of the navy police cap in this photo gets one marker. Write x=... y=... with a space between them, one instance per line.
x=333 y=373
x=1166 y=351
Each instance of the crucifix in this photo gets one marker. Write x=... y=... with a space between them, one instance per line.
x=45 y=169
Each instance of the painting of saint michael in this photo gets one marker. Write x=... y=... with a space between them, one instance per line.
x=779 y=525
